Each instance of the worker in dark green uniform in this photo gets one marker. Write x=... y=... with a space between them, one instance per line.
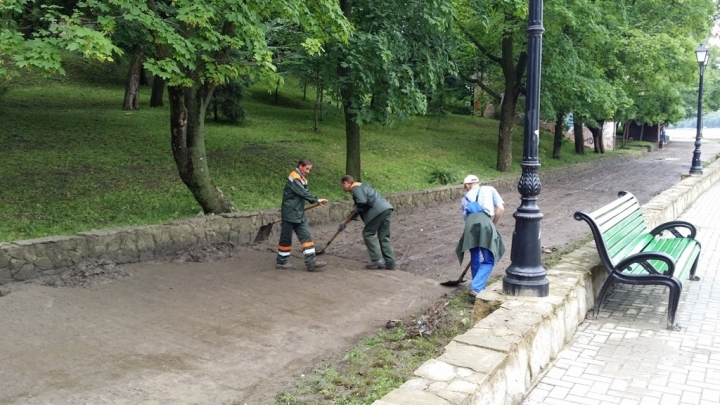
x=293 y=217
x=375 y=212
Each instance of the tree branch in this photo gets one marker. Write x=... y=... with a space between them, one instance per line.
x=483 y=86
x=478 y=45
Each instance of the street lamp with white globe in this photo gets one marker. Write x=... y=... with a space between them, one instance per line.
x=702 y=55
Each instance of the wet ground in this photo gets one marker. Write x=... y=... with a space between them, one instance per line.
x=205 y=328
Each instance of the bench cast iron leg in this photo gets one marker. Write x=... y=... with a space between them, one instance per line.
x=693 y=277
x=609 y=281
x=673 y=302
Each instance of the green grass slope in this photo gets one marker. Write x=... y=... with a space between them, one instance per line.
x=72 y=160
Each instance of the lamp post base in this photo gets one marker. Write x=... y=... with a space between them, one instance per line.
x=526 y=285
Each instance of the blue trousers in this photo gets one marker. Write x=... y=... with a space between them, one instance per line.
x=480 y=269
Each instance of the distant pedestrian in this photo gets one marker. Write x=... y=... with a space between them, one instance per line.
x=292 y=212
x=482 y=209
x=375 y=212
x=663 y=136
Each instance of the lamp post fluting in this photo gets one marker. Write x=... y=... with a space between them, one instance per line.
x=702 y=58
x=526 y=275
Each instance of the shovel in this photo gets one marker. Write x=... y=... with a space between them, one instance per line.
x=266 y=229
x=345 y=222
x=461 y=280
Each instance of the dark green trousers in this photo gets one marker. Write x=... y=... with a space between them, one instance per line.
x=302 y=230
x=379 y=225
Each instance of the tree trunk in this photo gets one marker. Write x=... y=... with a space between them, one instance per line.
x=579 y=136
x=143 y=76
x=277 y=87
x=187 y=135
x=26 y=26
x=598 y=138
x=352 y=129
x=626 y=133
x=507 y=115
x=352 y=139
x=559 y=135
x=642 y=130
x=158 y=90
x=132 y=85
x=322 y=104
x=316 y=107
x=513 y=75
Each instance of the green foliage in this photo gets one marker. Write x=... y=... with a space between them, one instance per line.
x=444 y=177
x=194 y=39
x=73 y=161
x=397 y=54
x=225 y=104
x=57 y=29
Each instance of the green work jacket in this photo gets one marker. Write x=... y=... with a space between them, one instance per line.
x=368 y=202
x=480 y=232
x=294 y=197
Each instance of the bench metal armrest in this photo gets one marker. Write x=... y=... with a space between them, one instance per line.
x=643 y=259
x=672 y=225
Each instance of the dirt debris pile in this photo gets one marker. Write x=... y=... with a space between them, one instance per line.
x=426 y=324
x=85 y=275
x=204 y=252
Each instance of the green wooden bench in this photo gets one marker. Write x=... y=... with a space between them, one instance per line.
x=633 y=254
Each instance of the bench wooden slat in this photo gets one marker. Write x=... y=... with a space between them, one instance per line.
x=615 y=224
x=626 y=200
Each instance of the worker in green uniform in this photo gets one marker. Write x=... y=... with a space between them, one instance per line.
x=292 y=213
x=375 y=212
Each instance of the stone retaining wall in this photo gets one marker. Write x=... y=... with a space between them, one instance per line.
x=516 y=338
x=25 y=259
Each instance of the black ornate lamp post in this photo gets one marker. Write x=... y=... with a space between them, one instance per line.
x=702 y=58
x=526 y=275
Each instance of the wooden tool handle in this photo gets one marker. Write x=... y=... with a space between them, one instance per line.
x=309 y=207
x=345 y=222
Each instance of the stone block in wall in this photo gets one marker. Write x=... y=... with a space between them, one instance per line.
x=43 y=263
x=339 y=210
x=402 y=396
x=145 y=244
x=4 y=258
x=16 y=265
x=181 y=235
x=128 y=252
x=81 y=247
x=517 y=374
x=217 y=229
x=58 y=256
x=26 y=272
x=199 y=230
x=16 y=252
x=243 y=228
x=541 y=349
x=161 y=237
x=499 y=339
x=478 y=359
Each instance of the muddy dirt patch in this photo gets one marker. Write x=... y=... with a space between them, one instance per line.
x=86 y=275
x=203 y=253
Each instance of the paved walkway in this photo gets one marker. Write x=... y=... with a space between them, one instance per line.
x=627 y=356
